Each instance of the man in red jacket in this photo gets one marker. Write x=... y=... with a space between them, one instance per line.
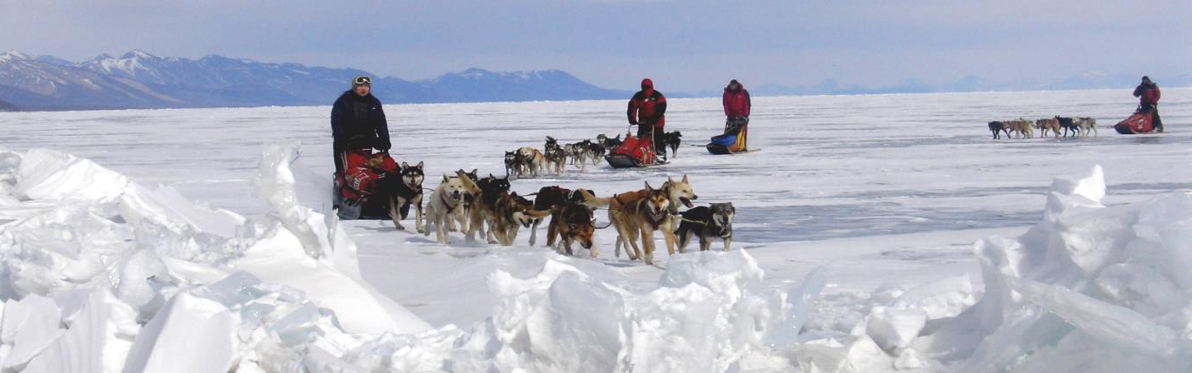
x=736 y=107
x=647 y=110
x=1148 y=100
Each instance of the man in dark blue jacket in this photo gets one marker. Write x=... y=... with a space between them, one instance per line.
x=358 y=122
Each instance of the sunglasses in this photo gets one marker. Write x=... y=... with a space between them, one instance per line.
x=362 y=80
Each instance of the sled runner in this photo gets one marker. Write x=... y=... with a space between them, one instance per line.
x=1140 y=122
x=361 y=180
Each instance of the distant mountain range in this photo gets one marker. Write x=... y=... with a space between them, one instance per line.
x=141 y=80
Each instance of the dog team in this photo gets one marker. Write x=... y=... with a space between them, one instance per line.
x=528 y=161
x=1077 y=127
x=486 y=207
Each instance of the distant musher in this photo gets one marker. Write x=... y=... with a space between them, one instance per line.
x=647 y=110
x=1148 y=101
x=737 y=105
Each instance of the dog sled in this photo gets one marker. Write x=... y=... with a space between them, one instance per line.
x=633 y=152
x=361 y=180
x=1141 y=122
x=733 y=140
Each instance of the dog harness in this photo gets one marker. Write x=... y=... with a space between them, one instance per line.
x=450 y=205
x=720 y=230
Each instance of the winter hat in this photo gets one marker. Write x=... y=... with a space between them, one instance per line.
x=647 y=84
x=734 y=81
x=1146 y=78
x=361 y=80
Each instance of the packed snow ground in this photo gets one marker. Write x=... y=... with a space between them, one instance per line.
x=886 y=193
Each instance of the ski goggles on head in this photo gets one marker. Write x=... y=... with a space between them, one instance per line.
x=362 y=80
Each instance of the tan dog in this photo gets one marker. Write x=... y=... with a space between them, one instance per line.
x=533 y=160
x=634 y=214
x=1048 y=124
x=1022 y=126
x=642 y=216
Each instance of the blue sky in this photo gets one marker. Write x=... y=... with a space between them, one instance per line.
x=683 y=45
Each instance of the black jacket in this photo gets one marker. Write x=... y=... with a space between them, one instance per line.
x=358 y=122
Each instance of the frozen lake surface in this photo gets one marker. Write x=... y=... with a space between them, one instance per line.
x=881 y=191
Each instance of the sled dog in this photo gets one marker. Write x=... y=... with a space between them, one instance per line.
x=708 y=223
x=515 y=165
x=644 y=211
x=1048 y=124
x=404 y=191
x=510 y=213
x=572 y=222
x=533 y=160
x=552 y=197
x=998 y=127
x=491 y=189
x=672 y=140
x=1085 y=124
x=446 y=203
x=1024 y=127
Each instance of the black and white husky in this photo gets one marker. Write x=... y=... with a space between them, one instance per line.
x=707 y=222
x=404 y=191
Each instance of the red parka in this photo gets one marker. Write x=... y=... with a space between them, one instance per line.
x=736 y=102
x=1148 y=94
x=647 y=106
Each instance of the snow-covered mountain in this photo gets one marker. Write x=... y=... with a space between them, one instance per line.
x=32 y=84
x=474 y=85
x=139 y=79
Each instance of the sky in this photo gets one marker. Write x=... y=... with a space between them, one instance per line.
x=685 y=45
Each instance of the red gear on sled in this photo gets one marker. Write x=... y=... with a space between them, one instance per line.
x=1140 y=122
x=362 y=171
x=634 y=151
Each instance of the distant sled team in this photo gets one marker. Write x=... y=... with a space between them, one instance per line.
x=1144 y=120
x=1025 y=129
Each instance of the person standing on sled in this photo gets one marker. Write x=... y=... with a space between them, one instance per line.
x=1148 y=101
x=358 y=125
x=736 y=107
x=647 y=110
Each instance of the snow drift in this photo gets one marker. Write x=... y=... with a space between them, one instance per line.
x=1091 y=288
x=101 y=274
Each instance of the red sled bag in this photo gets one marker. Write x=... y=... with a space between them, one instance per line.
x=633 y=152
x=362 y=171
x=1140 y=122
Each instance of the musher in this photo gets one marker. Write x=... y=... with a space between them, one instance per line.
x=647 y=110
x=736 y=107
x=1148 y=101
